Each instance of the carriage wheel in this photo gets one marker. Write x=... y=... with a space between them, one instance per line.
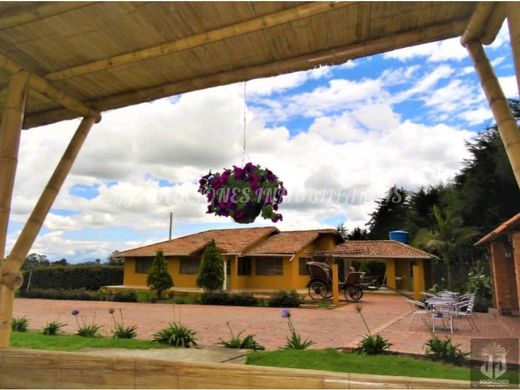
x=355 y=293
x=317 y=290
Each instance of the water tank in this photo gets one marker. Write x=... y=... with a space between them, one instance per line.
x=399 y=235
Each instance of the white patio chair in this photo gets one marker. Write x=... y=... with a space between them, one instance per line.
x=464 y=309
x=443 y=311
x=418 y=308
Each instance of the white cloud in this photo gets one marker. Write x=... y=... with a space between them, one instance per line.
x=509 y=86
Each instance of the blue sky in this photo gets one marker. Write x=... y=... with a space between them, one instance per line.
x=353 y=130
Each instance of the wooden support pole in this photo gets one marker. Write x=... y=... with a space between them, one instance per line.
x=513 y=20
x=504 y=119
x=335 y=284
x=48 y=90
x=485 y=22
x=10 y=130
x=14 y=261
x=235 y=30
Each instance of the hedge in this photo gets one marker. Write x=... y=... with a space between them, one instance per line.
x=90 y=277
x=78 y=295
x=220 y=297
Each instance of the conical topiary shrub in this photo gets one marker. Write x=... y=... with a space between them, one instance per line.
x=159 y=279
x=211 y=273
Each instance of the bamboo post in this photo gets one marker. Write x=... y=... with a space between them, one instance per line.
x=10 y=129
x=23 y=244
x=335 y=284
x=513 y=20
x=503 y=116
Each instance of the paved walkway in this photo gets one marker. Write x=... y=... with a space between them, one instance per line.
x=339 y=327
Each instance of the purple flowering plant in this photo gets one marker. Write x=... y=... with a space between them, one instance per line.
x=243 y=193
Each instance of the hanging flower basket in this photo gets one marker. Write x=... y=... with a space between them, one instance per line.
x=243 y=193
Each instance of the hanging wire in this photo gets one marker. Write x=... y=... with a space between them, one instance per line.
x=244 y=144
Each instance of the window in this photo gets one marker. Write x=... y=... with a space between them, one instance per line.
x=303 y=270
x=189 y=266
x=244 y=266
x=269 y=266
x=142 y=265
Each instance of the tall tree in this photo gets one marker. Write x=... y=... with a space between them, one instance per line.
x=390 y=214
x=342 y=230
x=358 y=234
x=486 y=192
x=211 y=273
x=159 y=279
x=420 y=208
x=35 y=260
x=448 y=235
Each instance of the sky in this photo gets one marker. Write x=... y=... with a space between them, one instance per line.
x=339 y=137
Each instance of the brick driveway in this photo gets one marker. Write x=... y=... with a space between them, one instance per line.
x=328 y=328
x=339 y=327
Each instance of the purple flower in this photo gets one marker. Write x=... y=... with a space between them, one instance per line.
x=239 y=172
x=277 y=217
x=286 y=313
x=239 y=214
x=75 y=312
x=270 y=175
x=249 y=167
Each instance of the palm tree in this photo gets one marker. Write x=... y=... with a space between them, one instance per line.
x=446 y=238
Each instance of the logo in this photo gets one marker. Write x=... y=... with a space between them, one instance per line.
x=491 y=359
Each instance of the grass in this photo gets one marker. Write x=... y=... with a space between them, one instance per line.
x=70 y=343
x=332 y=360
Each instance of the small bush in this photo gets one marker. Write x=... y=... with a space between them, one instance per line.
x=159 y=279
x=52 y=328
x=216 y=297
x=243 y=299
x=211 y=273
x=176 y=335
x=295 y=341
x=129 y=296
x=445 y=351
x=285 y=299
x=237 y=341
x=19 y=324
x=373 y=345
x=89 y=330
x=120 y=330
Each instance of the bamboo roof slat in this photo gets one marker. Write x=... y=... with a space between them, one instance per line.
x=246 y=40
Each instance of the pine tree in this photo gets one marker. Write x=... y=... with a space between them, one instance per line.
x=211 y=274
x=159 y=278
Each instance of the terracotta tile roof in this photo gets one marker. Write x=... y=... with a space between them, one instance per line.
x=228 y=240
x=289 y=242
x=508 y=225
x=380 y=249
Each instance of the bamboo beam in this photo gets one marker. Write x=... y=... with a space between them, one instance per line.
x=28 y=14
x=513 y=20
x=234 y=30
x=477 y=22
x=503 y=116
x=45 y=88
x=494 y=23
x=10 y=129
x=333 y=56
x=9 y=277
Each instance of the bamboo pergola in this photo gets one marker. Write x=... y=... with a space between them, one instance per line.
x=64 y=60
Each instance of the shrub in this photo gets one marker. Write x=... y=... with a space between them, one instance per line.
x=444 y=351
x=294 y=341
x=159 y=278
x=129 y=296
x=243 y=299
x=75 y=295
x=373 y=345
x=176 y=335
x=211 y=273
x=120 y=330
x=480 y=284
x=86 y=329
x=19 y=324
x=215 y=297
x=285 y=299
x=237 y=341
x=52 y=328
x=91 y=277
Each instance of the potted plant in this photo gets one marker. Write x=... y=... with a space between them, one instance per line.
x=243 y=193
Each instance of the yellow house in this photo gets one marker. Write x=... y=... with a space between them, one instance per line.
x=265 y=258
x=254 y=258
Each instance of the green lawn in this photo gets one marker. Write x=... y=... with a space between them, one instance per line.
x=73 y=343
x=332 y=360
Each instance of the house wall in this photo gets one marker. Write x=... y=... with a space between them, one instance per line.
x=504 y=277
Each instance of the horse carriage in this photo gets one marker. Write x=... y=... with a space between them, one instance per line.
x=320 y=285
